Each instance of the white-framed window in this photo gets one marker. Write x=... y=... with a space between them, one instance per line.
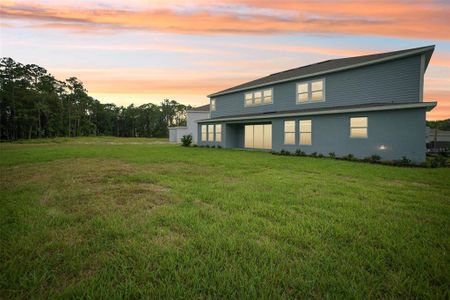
x=267 y=96
x=210 y=133
x=218 y=133
x=213 y=104
x=305 y=132
x=358 y=127
x=311 y=91
x=289 y=132
x=259 y=97
x=203 y=133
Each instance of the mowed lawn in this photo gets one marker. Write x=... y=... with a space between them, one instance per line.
x=113 y=220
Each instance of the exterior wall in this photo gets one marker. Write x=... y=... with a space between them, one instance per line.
x=176 y=133
x=402 y=132
x=396 y=81
x=192 y=118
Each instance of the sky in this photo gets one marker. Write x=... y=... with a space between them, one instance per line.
x=137 y=51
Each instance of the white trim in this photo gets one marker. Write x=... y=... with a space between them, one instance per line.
x=328 y=112
x=422 y=73
x=327 y=71
x=358 y=127
x=177 y=127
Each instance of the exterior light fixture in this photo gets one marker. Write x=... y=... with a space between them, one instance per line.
x=382 y=147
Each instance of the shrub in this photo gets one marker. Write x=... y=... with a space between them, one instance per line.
x=218 y=146
x=194 y=145
x=186 y=140
x=349 y=157
x=284 y=152
x=438 y=161
x=332 y=155
x=320 y=155
x=314 y=154
x=373 y=158
x=299 y=152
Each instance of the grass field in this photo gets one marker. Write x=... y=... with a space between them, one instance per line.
x=112 y=220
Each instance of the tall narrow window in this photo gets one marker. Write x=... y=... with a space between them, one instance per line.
x=210 y=133
x=358 y=127
x=248 y=99
x=203 y=133
x=302 y=90
x=257 y=97
x=289 y=132
x=317 y=90
x=310 y=91
x=213 y=104
x=218 y=133
x=305 y=132
x=267 y=96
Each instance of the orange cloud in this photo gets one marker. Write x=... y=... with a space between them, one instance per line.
x=395 y=19
x=442 y=110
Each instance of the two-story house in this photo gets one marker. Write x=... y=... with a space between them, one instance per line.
x=364 y=105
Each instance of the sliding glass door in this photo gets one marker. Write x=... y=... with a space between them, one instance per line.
x=258 y=136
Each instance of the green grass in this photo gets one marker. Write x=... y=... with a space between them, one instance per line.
x=91 y=140
x=121 y=220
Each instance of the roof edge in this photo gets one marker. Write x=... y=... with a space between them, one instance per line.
x=376 y=61
x=428 y=105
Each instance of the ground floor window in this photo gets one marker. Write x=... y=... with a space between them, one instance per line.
x=258 y=136
x=218 y=133
x=210 y=133
x=305 y=132
x=203 y=133
x=289 y=132
x=358 y=127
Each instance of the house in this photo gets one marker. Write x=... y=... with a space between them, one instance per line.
x=437 y=140
x=364 y=105
x=192 y=116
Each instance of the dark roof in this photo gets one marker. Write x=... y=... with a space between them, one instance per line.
x=368 y=106
x=325 y=67
x=200 y=108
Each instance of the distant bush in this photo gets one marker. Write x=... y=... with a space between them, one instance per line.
x=194 y=145
x=218 y=146
x=332 y=155
x=186 y=140
x=320 y=155
x=314 y=154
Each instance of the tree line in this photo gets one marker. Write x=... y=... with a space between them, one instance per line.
x=34 y=104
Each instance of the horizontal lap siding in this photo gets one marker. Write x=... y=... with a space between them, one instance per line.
x=402 y=132
x=395 y=81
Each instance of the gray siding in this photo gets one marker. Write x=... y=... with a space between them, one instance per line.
x=402 y=132
x=394 y=81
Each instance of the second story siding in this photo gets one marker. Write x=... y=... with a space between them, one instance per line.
x=392 y=81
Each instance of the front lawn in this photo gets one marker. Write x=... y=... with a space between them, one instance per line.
x=114 y=220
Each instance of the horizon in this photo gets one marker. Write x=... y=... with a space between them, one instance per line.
x=144 y=53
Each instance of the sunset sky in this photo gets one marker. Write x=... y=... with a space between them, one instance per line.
x=140 y=51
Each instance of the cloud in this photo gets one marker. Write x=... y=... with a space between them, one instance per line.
x=394 y=18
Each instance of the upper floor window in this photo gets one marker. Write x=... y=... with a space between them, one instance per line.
x=289 y=132
x=213 y=104
x=358 y=127
x=258 y=97
x=310 y=91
